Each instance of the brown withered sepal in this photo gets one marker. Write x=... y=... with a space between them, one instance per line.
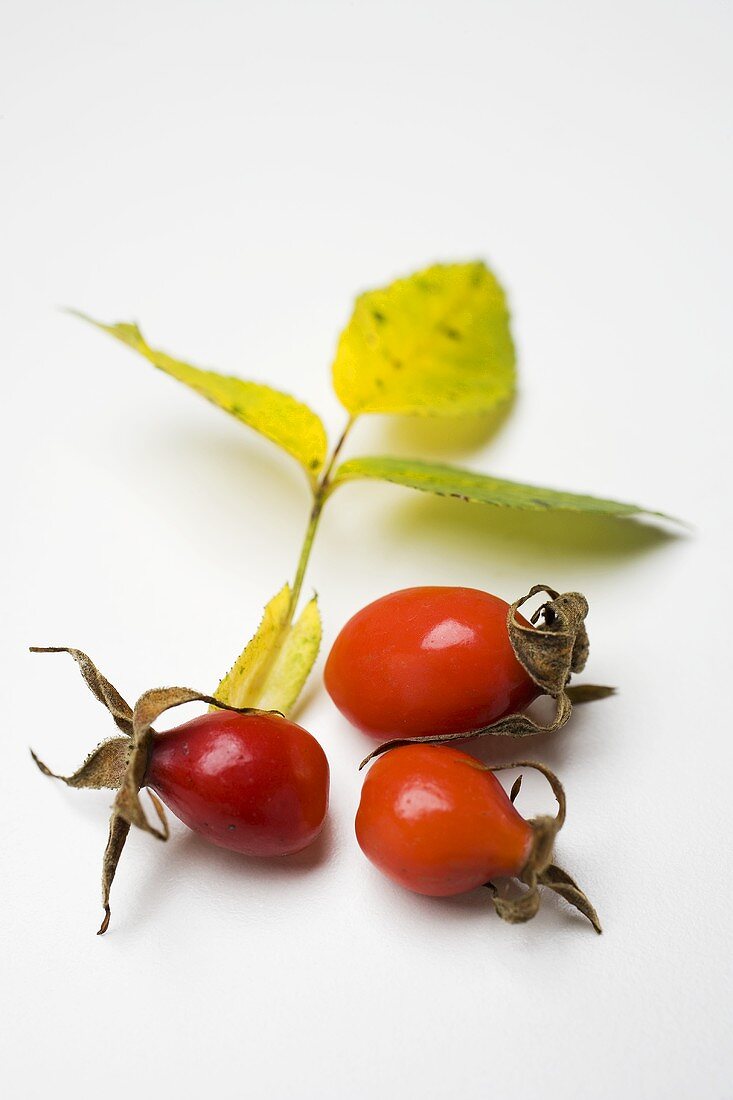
x=540 y=868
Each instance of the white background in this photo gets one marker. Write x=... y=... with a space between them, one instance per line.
x=230 y=175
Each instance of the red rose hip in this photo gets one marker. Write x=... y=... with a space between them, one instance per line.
x=255 y=783
x=245 y=779
x=426 y=661
x=436 y=822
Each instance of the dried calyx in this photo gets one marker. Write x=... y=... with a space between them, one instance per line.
x=550 y=650
x=120 y=763
x=540 y=868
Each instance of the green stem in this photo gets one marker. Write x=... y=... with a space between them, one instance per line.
x=320 y=493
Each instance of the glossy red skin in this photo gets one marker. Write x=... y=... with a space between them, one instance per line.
x=424 y=661
x=432 y=820
x=256 y=784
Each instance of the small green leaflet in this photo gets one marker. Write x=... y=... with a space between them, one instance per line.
x=270 y=672
x=435 y=344
x=451 y=481
x=281 y=418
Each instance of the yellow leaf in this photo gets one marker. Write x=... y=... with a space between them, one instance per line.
x=270 y=672
x=281 y=418
x=436 y=343
x=293 y=662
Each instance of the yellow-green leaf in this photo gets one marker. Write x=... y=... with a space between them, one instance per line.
x=293 y=661
x=270 y=672
x=436 y=343
x=279 y=417
x=450 y=481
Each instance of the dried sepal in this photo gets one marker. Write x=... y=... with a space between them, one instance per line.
x=99 y=685
x=557 y=642
x=106 y=765
x=104 y=768
x=588 y=693
x=540 y=868
x=118 y=833
x=554 y=878
x=106 y=762
x=550 y=651
x=517 y=910
x=512 y=725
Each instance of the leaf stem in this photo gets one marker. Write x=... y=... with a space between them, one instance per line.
x=320 y=492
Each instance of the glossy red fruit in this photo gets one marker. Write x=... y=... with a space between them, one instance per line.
x=434 y=821
x=426 y=661
x=255 y=783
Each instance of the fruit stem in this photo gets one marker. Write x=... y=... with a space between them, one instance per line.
x=320 y=493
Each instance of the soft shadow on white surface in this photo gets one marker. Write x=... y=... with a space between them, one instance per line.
x=438 y=438
x=493 y=534
x=192 y=863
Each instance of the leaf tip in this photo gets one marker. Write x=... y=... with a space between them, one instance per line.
x=80 y=315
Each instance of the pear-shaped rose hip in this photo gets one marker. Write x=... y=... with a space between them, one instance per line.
x=255 y=783
x=428 y=661
x=438 y=822
x=433 y=820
